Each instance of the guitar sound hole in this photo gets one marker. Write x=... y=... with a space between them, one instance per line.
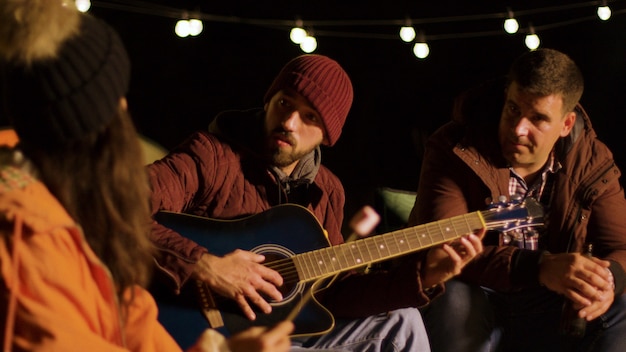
x=288 y=286
x=278 y=258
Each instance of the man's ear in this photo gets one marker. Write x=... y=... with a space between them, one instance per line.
x=568 y=123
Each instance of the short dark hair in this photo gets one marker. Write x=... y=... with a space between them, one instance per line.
x=547 y=71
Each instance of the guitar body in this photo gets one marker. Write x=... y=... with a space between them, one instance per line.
x=277 y=233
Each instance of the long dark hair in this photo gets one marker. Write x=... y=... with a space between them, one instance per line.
x=101 y=181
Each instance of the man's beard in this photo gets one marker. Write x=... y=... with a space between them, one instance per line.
x=282 y=158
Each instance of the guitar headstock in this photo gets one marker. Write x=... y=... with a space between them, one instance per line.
x=515 y=214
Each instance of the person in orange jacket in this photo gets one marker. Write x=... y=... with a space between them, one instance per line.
x=74 y=211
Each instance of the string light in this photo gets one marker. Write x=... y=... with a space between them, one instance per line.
x=421 y=49
x=308 y=43
x=532 y=39
x=188 y=26
x=604 y=11
x=83 y=5
x=297 y=33
x=407 y=32
x=182 y=28
x=195 y=27
x=510 y=24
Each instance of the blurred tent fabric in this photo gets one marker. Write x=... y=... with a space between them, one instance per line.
x=151 y=150
x=394 y=207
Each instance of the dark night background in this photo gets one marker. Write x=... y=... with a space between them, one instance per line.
x=180 y=84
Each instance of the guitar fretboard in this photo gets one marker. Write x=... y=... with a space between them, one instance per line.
x=331 y=260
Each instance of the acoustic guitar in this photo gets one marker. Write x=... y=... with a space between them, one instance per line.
x=294 y=244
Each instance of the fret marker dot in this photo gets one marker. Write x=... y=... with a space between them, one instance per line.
x=358 y=261
x=447 y=229
x=320 y=262
x=382 y=246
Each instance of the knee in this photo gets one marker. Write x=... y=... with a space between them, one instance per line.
x=408 y=329
x=405 y=316
x=408 y=320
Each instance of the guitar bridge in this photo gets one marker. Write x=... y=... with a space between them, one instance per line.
x=208 y=306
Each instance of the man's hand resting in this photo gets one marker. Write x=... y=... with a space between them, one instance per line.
x=241 y=276
x=586 y=281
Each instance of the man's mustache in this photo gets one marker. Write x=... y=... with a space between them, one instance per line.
x=283 y=135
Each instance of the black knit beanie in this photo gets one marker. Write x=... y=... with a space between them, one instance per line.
x=57 y=100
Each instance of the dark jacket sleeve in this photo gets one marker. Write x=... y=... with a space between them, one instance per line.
x=175 y=182
x=449 y=187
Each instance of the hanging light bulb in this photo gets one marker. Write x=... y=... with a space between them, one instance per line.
x=407 y=33
x=83 y=5
x=297 y=33
x=510 y=24
x=532 y=39
x=182 y=28
x=604 y=11
x=195 y=27
x=309 y=44
x=421 y=49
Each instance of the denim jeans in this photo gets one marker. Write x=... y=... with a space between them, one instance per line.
x=398 y=330
x=475 y=319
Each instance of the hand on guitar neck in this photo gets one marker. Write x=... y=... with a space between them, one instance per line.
x=447 y=260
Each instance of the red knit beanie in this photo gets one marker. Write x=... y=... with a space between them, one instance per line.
x=324 y=84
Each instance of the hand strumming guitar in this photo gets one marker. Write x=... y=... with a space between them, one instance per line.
x=240 y=276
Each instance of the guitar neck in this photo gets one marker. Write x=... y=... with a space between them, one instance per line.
x=331 y=260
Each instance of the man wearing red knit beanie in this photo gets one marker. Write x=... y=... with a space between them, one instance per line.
x=254 y=162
